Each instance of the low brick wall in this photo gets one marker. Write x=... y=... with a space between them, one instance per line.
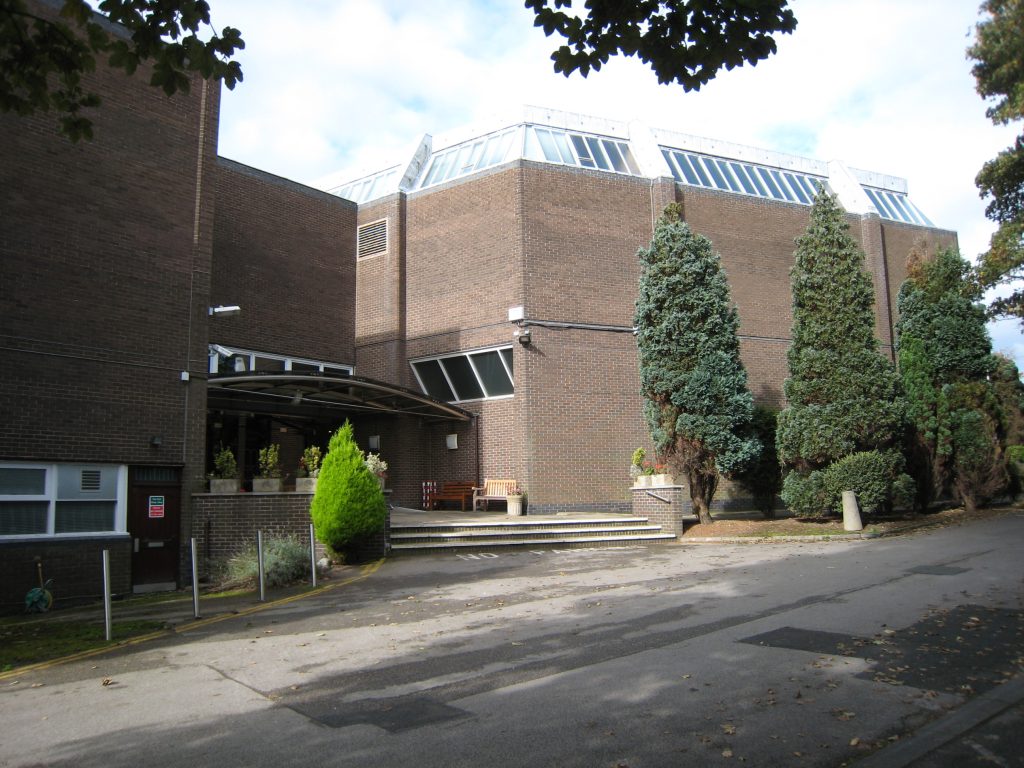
x=664 y=505
x=75 y=565
x=224 y=524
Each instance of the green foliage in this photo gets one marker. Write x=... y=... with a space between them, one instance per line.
x=42 y=60
x=348 y=503
x=980 y=474
x=843 y=396
x=697 y=405
x=638 y=457
x=309 y=464
x=875 y=476
x=804 y=494
x=270 y=461
x=763 y=479
x=684 y=41
x=285 y=560
x=941 y=341
x=224 y=464
x=998 y=52
x=1015 y=453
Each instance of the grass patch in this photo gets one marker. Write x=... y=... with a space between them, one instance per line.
x=30 y=642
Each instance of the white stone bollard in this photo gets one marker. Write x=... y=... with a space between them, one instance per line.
x=851 y=512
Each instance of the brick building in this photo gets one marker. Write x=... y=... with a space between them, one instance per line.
x=469 y=309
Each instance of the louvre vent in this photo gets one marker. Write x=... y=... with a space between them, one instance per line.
x=90 y=481
x=372 y=239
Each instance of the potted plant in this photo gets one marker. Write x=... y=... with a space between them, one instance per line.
x=515 y=502
x=269 y=478
x=377 y=466
x=636 y=467
x=309 y=468
x=660 y=476
x=224 y=478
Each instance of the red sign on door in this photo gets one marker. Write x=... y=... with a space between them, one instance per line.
x=156 y=506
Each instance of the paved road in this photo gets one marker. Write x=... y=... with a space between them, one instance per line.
x=811 y=654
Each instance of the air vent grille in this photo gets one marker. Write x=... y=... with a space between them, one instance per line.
x=372 y=239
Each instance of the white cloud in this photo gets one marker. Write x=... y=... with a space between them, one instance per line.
x=342 y=84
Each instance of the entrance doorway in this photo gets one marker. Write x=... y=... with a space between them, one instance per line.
x=154 y=523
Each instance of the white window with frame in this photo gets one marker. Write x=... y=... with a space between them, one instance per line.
x=481 y=374
x=223 y=360
x=62 y=500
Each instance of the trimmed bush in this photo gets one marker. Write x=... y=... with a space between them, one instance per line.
x=805 y=495
x=285 y=561
x=870 y=474
x=348 y=503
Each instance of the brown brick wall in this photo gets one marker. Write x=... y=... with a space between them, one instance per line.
x=285 y=253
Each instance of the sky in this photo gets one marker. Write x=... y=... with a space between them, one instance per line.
x=335 y=88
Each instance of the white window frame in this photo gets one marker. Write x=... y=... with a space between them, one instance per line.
x=220 y=364
x=472 y=367
x=50 y=495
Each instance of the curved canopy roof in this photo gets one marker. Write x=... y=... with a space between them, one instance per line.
x=312 y=393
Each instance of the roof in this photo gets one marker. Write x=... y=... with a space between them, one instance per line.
x=313 y=393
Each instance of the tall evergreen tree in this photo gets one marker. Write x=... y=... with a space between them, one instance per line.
x=843 y=396
x=942 y=343
x=697 y=405
x=348 y=503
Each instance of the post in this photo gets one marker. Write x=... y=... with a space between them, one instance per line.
x=259 y=559
x=106 y=595
x=312 y=554
x=195 y=581
x=851 y=512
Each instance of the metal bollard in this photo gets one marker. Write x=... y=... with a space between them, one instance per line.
x=108 y=624
x=195 y=582
x=312 y=554
x=259 y=559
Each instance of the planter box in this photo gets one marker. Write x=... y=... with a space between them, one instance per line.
x=266 y=485
x=661 y=480
x=224 y=485
x=305 y=485
x=515 y=506
x=643 y=481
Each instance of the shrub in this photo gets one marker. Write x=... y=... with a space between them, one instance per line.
x=224 y=464
x=979 y=471
x=763 y=479
x=285 y=560
x=871 y=475
x=348 y=503
x=805 y=494
x=270 y=461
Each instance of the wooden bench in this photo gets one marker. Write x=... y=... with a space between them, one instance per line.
x=493 y=490
x=458 y=491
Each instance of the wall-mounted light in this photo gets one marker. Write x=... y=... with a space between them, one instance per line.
x=523 y=336
x=222 y=310
x=373 y=442
x=451 y=441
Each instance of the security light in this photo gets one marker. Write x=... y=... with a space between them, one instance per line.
x=225 y=311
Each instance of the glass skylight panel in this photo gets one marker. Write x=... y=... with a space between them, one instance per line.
x=463 y=159
x=370 y=188
x=738 y=176
x=897 y=207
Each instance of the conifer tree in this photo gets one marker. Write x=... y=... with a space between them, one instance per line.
x=348 y=503
x=843 y=396
x=942 y=343
x=697 y=405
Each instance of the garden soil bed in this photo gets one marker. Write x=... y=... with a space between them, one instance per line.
x=730 y=526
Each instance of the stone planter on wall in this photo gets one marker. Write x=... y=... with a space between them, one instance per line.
x=662 y=480
x=224 y=485
x=305 y=485
x=266 y=485
x=515 y=506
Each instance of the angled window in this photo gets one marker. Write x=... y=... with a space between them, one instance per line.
x=742 y=178
x=370 y=187
x=474 y=155
x=482 y=374
x=250 y=361
x=896 y=207
x=372 y=239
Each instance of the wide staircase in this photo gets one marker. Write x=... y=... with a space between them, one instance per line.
x=410 y=536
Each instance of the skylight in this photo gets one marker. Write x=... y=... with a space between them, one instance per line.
x=743 y=178
x=552 y=145
x=475 y=155
x=370 y=187
x=897 y=207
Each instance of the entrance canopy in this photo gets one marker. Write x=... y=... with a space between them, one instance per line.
x=313 y=393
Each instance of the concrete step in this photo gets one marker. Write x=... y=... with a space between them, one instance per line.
x=524 y=532
x=562 y=543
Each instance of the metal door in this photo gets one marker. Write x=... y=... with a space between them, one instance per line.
x=154 y=520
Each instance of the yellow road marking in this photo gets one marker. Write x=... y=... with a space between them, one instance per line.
x=364 y=572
